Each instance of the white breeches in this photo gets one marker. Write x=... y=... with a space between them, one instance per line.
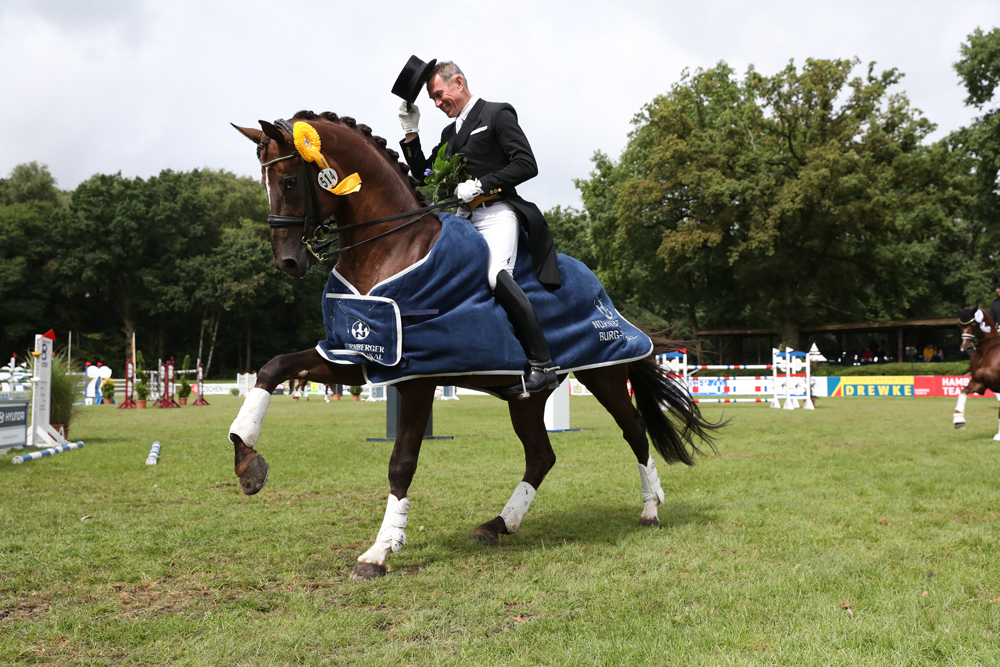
x=499 y=226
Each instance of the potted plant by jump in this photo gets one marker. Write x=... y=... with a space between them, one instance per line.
x=64 y=393
x=184 y=390
x=108 y=391
x=142 y=392
x=356 y=393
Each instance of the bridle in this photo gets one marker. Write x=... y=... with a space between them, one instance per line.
x=974 y=338
x=313 y=220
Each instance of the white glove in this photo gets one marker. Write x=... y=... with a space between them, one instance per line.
x=469 y=190
x=409 y=119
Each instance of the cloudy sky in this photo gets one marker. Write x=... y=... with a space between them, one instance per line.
x=138 y=86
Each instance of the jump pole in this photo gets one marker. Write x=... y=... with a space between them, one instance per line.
x=128 y=403
x=201 y=386
x=46 y=452
x=154 y=454
x=167 y=398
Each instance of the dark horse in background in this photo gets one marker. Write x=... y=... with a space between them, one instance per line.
x=298 y=211
x=980 y=339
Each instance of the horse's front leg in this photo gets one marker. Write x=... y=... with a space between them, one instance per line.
x=416 y=401
x=250 y=466
x=974 y=387
x=958 y=417
x=528 y=419
x=997 y=436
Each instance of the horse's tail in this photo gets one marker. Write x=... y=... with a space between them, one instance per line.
x=672 y=431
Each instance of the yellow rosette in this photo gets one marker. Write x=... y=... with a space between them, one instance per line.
x=308 y=144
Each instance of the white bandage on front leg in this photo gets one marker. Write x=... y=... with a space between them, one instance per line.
x=394 y=524
x=959 y=416
x=251 y=416
x=517 y=507
x=392 y=535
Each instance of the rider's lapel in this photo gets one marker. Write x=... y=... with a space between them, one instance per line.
x=471 y=122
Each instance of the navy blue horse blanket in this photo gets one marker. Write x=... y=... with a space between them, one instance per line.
x=438 y=317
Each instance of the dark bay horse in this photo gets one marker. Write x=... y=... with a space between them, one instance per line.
x=981 y=340
x=377 y=252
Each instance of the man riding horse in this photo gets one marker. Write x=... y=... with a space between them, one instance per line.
x=497 y=156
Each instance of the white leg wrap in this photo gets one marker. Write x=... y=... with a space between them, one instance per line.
x=251 y=416
x=997 y=436
x=959 y=416
x=651 y=489
x=517 y=507
x=392 y=534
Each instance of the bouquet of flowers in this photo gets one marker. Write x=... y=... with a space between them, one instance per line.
x=441 y=180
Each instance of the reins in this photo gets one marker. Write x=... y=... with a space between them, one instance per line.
x=313 y=243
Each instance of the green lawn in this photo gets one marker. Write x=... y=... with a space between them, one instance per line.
x=876 y=503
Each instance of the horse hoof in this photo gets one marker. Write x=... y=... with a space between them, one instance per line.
x=253 y=478
x=959 y=425
x=649 y=523
x=366 y=571
x=484 y=537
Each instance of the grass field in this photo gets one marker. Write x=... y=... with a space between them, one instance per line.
x=864 y=533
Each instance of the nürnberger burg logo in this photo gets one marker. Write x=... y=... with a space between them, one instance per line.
x=360 y=330
x=603 y=309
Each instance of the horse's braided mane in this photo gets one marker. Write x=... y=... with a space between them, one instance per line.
x=380 y=143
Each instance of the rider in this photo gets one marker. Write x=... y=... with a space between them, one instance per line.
x=995 y=305
x=498 y=158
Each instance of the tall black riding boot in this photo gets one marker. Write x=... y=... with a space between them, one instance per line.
x=541 y=372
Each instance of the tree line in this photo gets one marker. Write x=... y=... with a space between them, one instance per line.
x=809 y=196
x=806 y=197
x=180 y=259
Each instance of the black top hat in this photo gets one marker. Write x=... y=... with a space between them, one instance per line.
x=996 y=283
x=414 y=75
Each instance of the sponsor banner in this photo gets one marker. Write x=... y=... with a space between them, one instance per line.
x=13 y=424
x=888 y=386
x=942 y=385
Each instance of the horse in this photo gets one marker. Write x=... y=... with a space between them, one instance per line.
x=980 y=339
x=376 y=243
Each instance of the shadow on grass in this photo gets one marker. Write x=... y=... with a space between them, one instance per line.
x=594 y=524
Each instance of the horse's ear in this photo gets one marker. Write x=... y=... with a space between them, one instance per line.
x=273 y=132
x=957 y=307
x=250 y=133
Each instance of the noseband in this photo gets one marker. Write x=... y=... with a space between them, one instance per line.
x=314 y=243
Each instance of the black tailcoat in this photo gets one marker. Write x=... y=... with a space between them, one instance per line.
x=496 y=152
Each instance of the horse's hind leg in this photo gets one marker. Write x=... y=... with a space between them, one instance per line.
x=609 y=386
x=528 y=420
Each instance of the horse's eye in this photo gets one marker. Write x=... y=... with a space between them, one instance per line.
x=290 y=183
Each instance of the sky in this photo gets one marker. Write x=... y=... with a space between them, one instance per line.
x=135 y=86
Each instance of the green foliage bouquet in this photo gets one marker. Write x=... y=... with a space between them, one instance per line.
x=440 y=181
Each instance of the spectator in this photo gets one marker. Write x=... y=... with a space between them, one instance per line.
x=938 y=355
x=928 y=352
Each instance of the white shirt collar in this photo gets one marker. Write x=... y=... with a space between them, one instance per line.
x=465 y=113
